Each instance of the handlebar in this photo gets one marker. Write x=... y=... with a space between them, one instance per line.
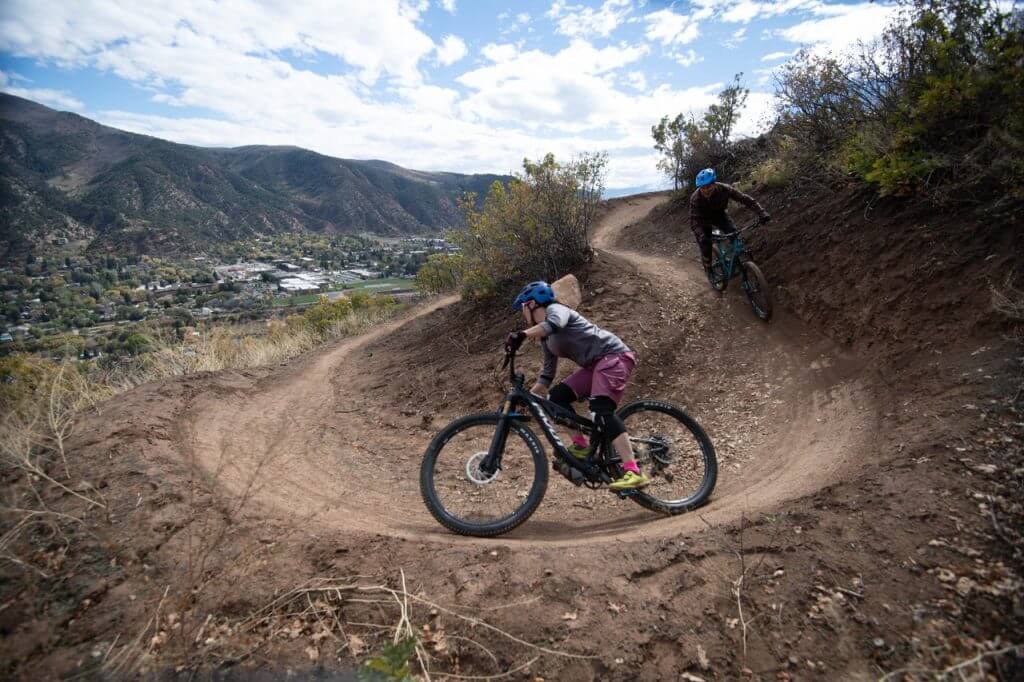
x=510 y=362
x=721 y=237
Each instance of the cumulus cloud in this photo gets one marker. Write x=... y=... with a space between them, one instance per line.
x=637 y=79
x=841 y=26
x=451 y=50
x=586 y=22
x=448 y=5
x=568 y=88
x=668 y=27
x=686 y=57
x=353 y=79
x=380 y=37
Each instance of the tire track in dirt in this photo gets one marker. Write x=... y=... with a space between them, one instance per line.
x=300 y=446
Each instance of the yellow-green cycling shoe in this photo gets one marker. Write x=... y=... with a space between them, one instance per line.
x=629 y=481
x=579 y=451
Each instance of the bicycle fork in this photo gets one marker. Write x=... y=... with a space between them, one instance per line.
x=492 y=462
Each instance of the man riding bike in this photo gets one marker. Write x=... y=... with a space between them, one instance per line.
x=707 y=209
x=605 y=365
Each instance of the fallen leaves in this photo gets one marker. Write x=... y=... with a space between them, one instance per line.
x=356 y=645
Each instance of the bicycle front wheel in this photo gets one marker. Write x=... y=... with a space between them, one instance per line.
x=716 y=273
x=464 y=499
x=756 y=287
x=673 y=450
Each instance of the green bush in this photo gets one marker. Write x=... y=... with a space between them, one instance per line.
x=441 y=272
x=934 y=107
x=324 y=314
x=535 y=228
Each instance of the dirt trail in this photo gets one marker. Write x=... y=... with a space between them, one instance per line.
x=303 y=447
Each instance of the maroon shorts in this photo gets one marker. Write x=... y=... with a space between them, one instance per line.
x=605 y=376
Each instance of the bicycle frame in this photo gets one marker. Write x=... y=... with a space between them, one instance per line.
x=736 y=248
x=547 y=414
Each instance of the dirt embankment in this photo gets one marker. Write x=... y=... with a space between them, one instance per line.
x=842 y=540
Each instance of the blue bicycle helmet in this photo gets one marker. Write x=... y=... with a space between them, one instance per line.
x=705 y=177
x=541 y=292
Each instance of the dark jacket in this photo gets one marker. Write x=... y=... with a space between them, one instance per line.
x=708 y=211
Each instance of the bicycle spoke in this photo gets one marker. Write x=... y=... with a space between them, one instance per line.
x=669 y=453
x=469 y=494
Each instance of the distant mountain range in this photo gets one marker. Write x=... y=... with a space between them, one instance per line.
x=63 y=175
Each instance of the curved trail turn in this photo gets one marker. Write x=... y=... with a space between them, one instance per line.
x=301 y=447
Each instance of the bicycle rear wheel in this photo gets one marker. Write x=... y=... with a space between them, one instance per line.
x=673 y=450
x=756 y=287
x=465 y=500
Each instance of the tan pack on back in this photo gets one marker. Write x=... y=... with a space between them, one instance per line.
x=568 y=292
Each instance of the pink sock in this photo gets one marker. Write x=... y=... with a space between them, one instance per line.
x=580 y=440
x=631 y=466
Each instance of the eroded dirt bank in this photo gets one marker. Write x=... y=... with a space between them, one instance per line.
x=840 y=503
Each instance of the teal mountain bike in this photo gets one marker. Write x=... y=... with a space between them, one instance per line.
x=731 y=258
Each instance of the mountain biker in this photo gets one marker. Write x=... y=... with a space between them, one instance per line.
x=605 y=365
x=707 y=209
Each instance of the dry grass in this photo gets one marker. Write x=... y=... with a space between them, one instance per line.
x=40 y=400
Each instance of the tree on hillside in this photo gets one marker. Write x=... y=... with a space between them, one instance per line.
x=670 y=141
x=536 y=227
x=686 y=146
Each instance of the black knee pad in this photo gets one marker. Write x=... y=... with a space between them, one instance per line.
x=563 y=395
x=603 y=408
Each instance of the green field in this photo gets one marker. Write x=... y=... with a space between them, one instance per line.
x=369 y=284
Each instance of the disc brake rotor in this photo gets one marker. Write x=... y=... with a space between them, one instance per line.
x=475 y=474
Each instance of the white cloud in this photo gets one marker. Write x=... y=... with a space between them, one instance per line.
x=58 y=99
x=451 y=50
x=256 y=72
x=667 y=27
x=637 y=79
x=757 y=114
x=843 y=26
x=448 y=5
x=772 y=56
x=499 y=53
x=376 y=38
x=736 y=38
x=745 y=11
x=686 y=57
x=567 y=89
x=585 y=22
x=53 y=98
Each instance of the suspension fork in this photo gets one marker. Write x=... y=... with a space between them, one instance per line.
x=492 y=462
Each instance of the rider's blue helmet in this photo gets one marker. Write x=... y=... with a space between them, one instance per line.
x=541 y=292
x=705 y=177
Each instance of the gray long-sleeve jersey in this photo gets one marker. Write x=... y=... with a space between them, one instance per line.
x=567 y=334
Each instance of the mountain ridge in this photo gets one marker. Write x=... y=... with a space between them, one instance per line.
x=65 y=175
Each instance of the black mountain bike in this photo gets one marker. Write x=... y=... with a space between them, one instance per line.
x=729 y=258
x=485 y=474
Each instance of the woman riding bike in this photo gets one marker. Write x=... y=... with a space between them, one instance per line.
x=605 y=365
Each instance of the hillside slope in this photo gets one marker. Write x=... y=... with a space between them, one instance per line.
x=845 y=520
x=65 y=175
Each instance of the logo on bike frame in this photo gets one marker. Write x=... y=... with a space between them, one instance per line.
x=549 y=427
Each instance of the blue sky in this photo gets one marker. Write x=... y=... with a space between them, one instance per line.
x=429 y=84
